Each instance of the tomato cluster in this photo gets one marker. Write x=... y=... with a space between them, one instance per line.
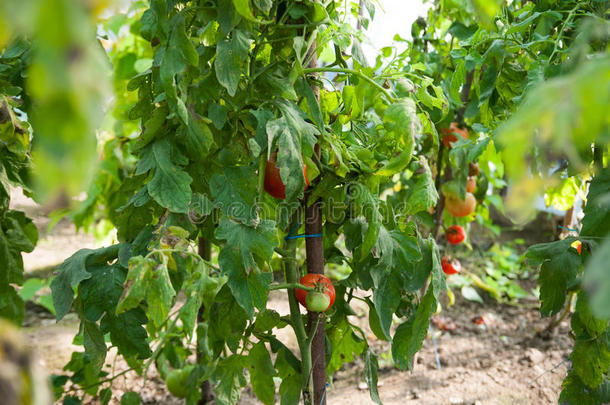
x=321 y=298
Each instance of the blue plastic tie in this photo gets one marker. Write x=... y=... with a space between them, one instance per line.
x=568 y=229
x=314 y=235
x=324 y=393
x=302 y=235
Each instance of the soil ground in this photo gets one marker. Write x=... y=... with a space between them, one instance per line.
x=503 y=361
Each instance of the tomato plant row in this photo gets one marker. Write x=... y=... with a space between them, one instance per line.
x=218 y=102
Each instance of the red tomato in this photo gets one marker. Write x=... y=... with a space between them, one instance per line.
x=273 y=182
x=449 y=134
x=450 y=266
x=316 y=281
x=458 y=207
x=456 y=234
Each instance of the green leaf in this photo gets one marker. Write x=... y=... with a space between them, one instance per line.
x=370 y=374
x=230 y=373
x=575 y=392
x=136 y=284
x=596 y=221
x=555 y=276
x=290 y=390
x=30 y=288
x=594 y=326
x=424 y=194
x=127 y=333
x=170 y=185
x=11 y=305
x=243 y=8
x=160 y=295
x=346 y=345
x=249 y=287
x=590 y=360
x=253 y=242
x=234 y=192
x=261 y=373
x=410 y=335
x=70 y=273
x=94 y=343
x=401 y=122
x=596 y=279
x=387 y=298
x=230 y=58
x=369 y=206
x=20 y=231
x=131 y=398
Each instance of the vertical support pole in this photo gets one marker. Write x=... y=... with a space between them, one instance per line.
x=314 y=248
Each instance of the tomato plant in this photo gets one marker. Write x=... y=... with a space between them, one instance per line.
x=206 y=93
x=455 y=234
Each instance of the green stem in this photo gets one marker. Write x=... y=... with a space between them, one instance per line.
x=291 y=275
x=290 y=286
x=262 y=163
x=352 y=72
x=563 y=28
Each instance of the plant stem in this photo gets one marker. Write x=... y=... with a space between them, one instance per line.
x=290 y=286
x=291 y=276
x=355 y=73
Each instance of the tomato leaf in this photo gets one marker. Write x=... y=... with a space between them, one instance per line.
x=555 y=276
x=170 y=185
x=410 y=335
x=370 y=374
x=346 y=345
x=262 y=373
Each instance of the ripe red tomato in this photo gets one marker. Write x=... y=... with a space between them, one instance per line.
x=273 y=182
x=471 y=184
x=449 y=134
x=450 y=266
x=318 y=281
x=458 y=207
x=456 y=234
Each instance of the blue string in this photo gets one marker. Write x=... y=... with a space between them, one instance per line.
x=324 y=394
x=563 y=227
x=302 y=235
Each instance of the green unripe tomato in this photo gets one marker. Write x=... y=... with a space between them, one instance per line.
x=176 y=382
x=317 y=301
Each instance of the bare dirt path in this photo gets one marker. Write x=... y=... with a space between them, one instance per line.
x=500 y=362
